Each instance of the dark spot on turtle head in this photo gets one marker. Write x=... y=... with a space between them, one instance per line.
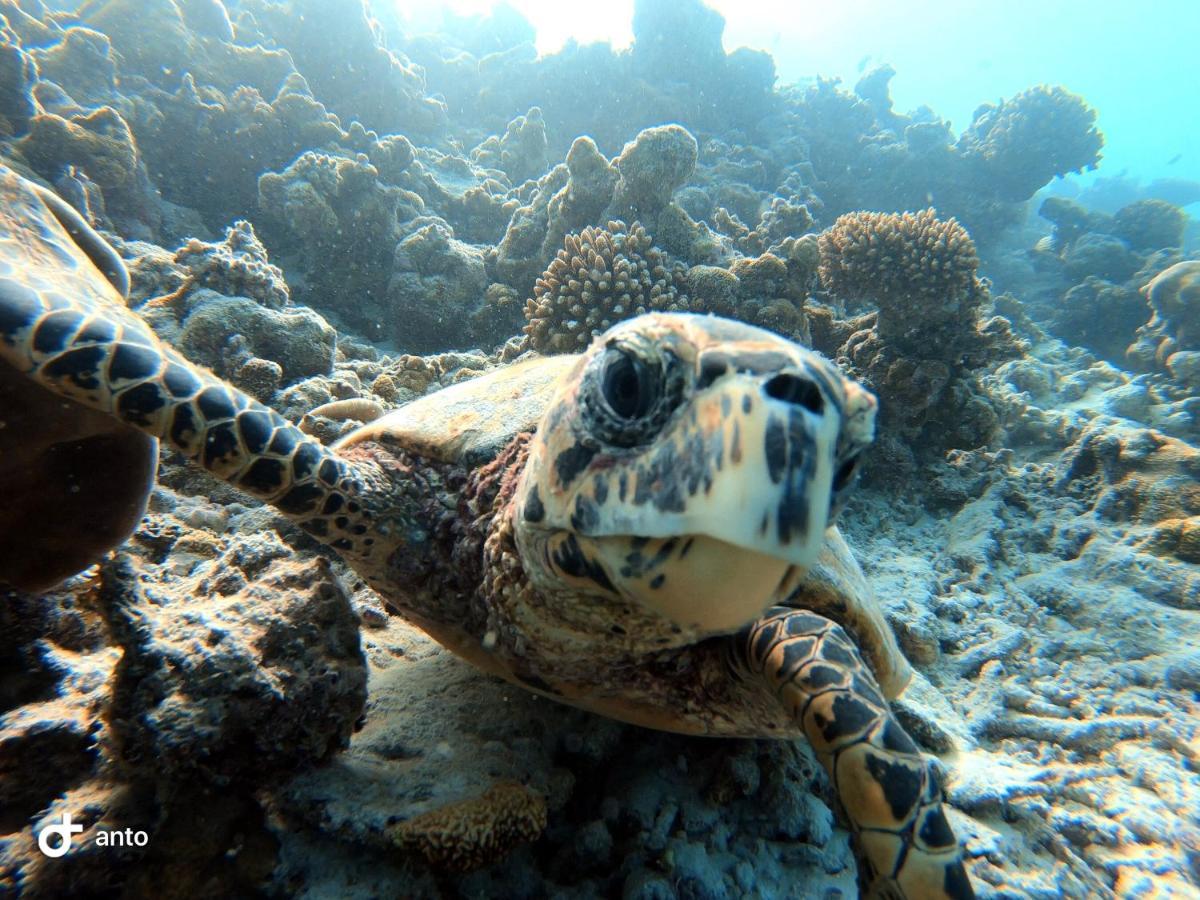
x=819 y=677
x=341 y=522
x=896 y=738
x=600 y=489
x=657 y=581
x=328 y=472
x=570 y=559
x=534 y=510
x=851 y=716
x=900 y=781
x=747 y=404
x=306 y=458
x=712 y=367
x=687 y=546
x=586 y=517
x=571 y=462
x=19 y=305
x=795 y=654
x=183 y=425
x=256 y=427
x=956 y=883
x=726 y=406
x=180 y=382
x=332 y=504
x=302 y=498
x=215 y=403
x=220 y=443
x=776 y=448
x=616 y=629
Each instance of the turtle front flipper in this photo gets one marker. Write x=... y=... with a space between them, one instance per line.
x=65 y=327
x=886 y=786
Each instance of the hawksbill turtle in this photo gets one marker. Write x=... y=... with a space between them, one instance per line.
x=644 y=530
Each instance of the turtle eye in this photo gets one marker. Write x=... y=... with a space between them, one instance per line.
x=629 y=385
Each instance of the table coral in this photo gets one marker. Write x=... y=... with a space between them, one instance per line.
x=1023 y=142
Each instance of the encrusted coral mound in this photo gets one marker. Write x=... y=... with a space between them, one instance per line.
x=600 y=276
x=236 y=267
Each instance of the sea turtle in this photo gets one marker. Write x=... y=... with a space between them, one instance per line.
x=643 y=530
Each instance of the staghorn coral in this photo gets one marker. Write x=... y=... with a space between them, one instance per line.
x=599 y=277
x=1150 y=224
x=474 y=832
x=1023 y=142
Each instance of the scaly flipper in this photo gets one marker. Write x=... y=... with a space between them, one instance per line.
x=886 y=786
x=64 y=326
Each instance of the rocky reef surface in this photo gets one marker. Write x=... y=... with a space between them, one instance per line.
x=339 y=216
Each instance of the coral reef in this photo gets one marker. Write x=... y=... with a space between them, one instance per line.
x=600 y=276
x=928 y=335
x=1029 y=516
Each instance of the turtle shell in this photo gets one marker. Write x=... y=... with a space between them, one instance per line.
x=472 y=421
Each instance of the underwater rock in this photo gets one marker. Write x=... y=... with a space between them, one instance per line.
x=198 y=136
x=437 y=285
x=101 y=145
x=1150 y=224
x=650 y=169
x=223 y=333
x=17 y=75
x=165 y=40
x=521 y=152
x=382 y=90
x=334 y=208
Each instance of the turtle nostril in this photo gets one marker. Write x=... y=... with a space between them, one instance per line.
x=797 y=390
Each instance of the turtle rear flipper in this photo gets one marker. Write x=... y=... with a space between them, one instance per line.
x=64 y=327
x=887 y=788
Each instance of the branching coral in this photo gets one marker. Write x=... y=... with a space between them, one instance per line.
x=920 y=270
x=919 y=349
x=1024 y=142
x=601 y=276
x=472 y=833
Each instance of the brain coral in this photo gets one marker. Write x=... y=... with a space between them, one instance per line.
x=904 y=262
x=1026 y=141
x=598 y=278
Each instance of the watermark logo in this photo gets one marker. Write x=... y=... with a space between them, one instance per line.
x=56 y=840
x=64 y=831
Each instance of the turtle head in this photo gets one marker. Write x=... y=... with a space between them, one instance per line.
x=686 y=465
